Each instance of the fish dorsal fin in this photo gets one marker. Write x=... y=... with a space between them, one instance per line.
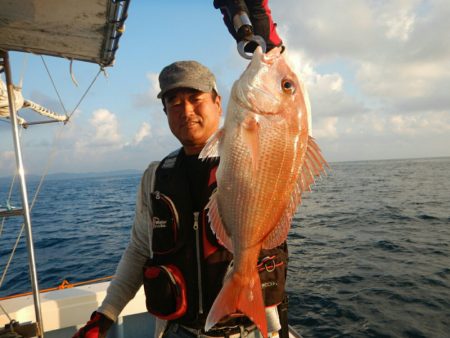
x=313 y=166
x=216 y=223
x=211 y=149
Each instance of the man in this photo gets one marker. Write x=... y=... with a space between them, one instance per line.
x=171 y=199
x=171 y=239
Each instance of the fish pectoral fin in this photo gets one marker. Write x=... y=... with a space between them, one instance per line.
x=211 y=149
x=216 y=223
x=250 y=134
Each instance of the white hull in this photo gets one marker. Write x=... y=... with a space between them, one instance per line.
x=65 y=311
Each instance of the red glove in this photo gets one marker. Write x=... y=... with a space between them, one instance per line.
x=260 y=16
x=96 y=327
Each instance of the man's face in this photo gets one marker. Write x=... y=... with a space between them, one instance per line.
x=193 y=117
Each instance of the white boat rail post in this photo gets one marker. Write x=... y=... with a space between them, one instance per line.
x=25 y=206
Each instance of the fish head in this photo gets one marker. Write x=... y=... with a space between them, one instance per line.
x=269 y=87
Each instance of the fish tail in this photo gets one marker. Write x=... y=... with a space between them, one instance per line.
x=238 y=296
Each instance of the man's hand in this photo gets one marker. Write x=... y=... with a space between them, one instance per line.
x=261 y=19
x=96 y=327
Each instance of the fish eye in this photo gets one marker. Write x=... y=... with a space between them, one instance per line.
x=288 y=86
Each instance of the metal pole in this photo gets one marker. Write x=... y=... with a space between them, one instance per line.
x=25 y=207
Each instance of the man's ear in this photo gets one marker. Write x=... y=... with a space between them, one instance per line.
x=219 y=102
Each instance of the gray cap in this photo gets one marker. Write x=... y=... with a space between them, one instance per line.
x=186 y=74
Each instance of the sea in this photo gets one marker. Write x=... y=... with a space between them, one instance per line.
x=369 y=246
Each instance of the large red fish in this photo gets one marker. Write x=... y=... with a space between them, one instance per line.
x=267 y=159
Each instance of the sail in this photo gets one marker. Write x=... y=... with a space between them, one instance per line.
x=83 y=30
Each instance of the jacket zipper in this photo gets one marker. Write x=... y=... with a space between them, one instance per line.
x=199 y=268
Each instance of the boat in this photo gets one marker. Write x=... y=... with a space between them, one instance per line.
x=65 y=312
x=86 y=31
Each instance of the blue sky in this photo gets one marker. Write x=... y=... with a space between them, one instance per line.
x=378 y=75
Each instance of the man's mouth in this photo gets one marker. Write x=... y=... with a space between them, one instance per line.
x=189 y=124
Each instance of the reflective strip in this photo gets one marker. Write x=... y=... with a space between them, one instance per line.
x=199 y=267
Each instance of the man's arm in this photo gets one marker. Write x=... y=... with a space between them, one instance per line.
x=128 y=277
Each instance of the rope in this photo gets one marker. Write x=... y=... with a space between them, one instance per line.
x=12 y=255
x=8 y=202
x=54 y=86
x=72 y=75
x=85 y=93
x=5 y=312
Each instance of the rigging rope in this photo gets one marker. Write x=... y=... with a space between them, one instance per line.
x=12 y=255
x=87 y=90
x=54 y=86
x=8 y=199
x=5 y=312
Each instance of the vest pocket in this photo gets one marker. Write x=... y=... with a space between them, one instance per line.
x=272 y=268
x=165 y=291
x=165 y=223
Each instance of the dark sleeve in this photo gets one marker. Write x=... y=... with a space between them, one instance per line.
x=263 y=25
x=260 y=16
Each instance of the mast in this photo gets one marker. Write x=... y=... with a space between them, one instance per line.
x=23 y=189
x=84 y=30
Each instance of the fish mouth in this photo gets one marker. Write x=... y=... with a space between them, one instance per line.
x=253 y=94
x=271 y=56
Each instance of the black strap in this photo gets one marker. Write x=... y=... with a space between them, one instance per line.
x=283 y=313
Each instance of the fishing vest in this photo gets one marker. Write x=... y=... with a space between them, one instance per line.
x=186 y=272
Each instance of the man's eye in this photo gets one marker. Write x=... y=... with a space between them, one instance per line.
x=196 y=98
x=174 y=103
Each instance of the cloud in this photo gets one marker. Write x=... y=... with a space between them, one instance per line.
x=422 y=123
x=106 y=127
x=327 y=128
x=104 y=132
x=380 y=70
x=143 y=132
x=398 y=24
x=148 y=99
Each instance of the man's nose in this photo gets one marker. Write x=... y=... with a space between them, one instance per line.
x=188 y=107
